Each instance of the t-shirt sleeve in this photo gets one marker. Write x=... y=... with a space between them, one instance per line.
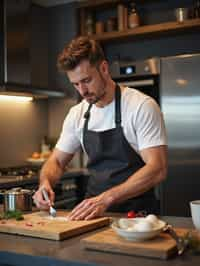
x=68 y=140
x=149 y=124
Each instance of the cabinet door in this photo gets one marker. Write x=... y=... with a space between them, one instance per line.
x=62 y=28
x=16 y=40
x=39 y=47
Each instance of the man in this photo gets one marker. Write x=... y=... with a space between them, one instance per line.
x=120 y=129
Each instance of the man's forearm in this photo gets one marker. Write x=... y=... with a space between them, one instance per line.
x=136 y=185
x=54 y=167
x=147 y=177
x=51 y=172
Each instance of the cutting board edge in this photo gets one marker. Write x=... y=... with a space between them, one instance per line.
x=29 y=234
x=86 y=228
x=109 y=248
x=91 y=243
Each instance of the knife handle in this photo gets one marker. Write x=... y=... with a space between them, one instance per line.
x=45 y=194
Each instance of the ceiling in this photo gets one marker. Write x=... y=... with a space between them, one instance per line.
x=48 y=3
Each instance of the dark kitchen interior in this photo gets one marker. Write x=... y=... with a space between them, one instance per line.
x=50 y=26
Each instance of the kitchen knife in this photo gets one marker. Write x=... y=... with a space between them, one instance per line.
x=52 y=211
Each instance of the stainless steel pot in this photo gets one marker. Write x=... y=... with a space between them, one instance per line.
x=17 y=199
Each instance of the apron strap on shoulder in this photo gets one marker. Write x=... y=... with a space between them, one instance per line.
x=87 y=113
x=118 y=106
x=87 y=116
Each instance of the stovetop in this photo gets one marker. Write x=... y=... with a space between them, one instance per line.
x=18 y=173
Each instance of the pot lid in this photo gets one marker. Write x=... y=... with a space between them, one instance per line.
x=18 y=191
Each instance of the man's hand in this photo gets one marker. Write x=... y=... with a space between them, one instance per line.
x=91 y=208
x=50 y=173
x=38 y=199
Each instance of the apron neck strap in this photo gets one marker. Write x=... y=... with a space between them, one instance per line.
x=87 y=116
x=118 y=106
x=87 y=113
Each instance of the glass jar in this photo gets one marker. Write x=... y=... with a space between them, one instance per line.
x=181 y=14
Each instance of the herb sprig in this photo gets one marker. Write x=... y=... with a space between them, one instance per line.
x=12 y=215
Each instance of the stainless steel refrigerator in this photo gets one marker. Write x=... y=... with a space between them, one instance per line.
x=180 y=104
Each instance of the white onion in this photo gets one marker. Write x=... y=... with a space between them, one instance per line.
x=143 y=226
x=152 y=219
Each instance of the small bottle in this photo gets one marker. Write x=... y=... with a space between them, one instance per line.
x=111 y=24
x=44 y=145
x=133 y=18
x=196 y=11
x=89 y=24
x=99 y=26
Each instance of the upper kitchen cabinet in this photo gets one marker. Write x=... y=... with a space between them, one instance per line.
x=24 y=48
x=42 y=38
x=62 y=25
x=39 y=47
x=115 y=20
x=14 y=45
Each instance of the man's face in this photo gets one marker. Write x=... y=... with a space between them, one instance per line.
x=89 y=80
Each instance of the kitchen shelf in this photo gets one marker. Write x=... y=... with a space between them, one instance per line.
x=106 y=3
x=149 y=30
x=144 y=31
x=96 y=3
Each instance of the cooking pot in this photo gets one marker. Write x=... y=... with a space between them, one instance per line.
x=17 y=199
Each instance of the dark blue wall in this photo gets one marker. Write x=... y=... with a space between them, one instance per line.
x=163 y=46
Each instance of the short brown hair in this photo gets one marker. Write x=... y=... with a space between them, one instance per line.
x=80 y=48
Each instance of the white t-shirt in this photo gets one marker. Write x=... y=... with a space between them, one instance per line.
x=142 y=122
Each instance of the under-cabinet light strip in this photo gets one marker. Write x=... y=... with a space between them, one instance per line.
x=16 y=98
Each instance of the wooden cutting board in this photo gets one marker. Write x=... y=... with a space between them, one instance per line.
x=39 y=224
x=161 y=247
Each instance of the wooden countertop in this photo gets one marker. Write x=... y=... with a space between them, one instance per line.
x=71 y=250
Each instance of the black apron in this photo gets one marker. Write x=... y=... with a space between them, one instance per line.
x=111 y=160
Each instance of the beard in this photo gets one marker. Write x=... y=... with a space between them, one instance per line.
x=93 y=98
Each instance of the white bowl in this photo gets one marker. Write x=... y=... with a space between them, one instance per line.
x=134 y=235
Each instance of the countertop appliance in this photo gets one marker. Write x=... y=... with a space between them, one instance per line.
x=142 y=75
x=180 y=104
